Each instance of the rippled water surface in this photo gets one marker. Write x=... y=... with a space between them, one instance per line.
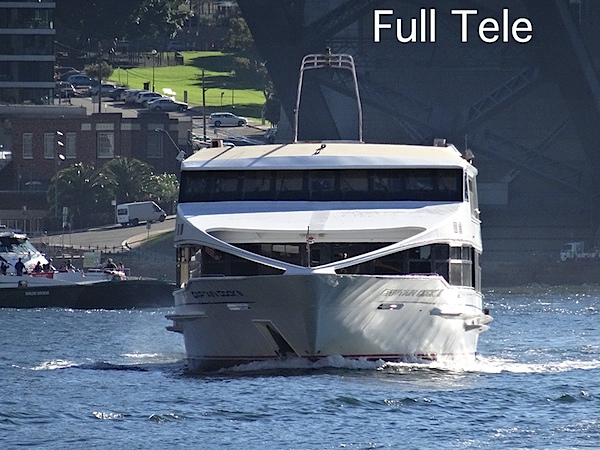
x=117 y=379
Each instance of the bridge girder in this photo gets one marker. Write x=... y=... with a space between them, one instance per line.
x=284 y=33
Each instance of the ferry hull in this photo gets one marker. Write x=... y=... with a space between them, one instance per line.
x=40 y=293
x=228 y=321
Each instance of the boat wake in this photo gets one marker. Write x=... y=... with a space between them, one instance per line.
x=331 y=362
x=160 y=363
x=499 y=365
x=54 y=365
x=482 y=364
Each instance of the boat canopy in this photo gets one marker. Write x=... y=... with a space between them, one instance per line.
x=325 y=155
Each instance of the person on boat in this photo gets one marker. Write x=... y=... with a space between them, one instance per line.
x=38 y=267
x=3 y=267
x=66 y=266
x=49 y=267
x=20 y=268
x=110 y=265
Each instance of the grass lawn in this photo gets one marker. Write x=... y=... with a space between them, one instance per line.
x=225 y=85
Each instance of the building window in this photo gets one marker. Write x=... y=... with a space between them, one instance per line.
x=49 y=145
x=71 y=145
x=105 y=144
x=155 y=145
x=27 y=145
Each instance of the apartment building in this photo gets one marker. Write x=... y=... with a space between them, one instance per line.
x=26 y=51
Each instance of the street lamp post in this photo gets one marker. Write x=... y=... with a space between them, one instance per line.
x=203 y=107
x=154 y=52
x=57 y=158
x=99 y=79
x=232 y=90
x=180 y=153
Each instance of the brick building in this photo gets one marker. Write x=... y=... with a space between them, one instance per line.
x=45 y=139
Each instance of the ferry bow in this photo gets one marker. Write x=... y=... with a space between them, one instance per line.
x=319 y=249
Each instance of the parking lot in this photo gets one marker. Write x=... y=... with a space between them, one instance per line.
x=254 y=129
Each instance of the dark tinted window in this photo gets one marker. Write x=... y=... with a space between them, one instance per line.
x=323 y=185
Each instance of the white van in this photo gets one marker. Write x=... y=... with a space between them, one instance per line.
x=136 y=212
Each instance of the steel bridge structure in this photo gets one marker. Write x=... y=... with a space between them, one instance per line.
x=529 y=111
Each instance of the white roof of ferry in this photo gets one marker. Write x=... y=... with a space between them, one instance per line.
x=324 y=155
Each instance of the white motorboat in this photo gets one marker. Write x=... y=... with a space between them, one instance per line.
x=319 y=249
x=67 y=287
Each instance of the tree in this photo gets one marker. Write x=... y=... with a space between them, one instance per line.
x=97 y=20
x=104 y=69
x=273 y=110
x=84 y=191
x=101 y=20
x=159 y=18
x=238 y=38
x=88 y=192
x=128 y=179
x=165 y=191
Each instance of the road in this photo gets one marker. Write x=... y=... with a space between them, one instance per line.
x=113 y=236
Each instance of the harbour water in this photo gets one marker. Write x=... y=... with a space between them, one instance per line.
x=117 y=379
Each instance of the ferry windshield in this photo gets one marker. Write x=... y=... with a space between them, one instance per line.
x=15 y=245
x=438 y=185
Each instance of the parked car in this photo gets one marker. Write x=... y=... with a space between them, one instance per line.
x=81 y=80
x=227 y=119
x=133 y=98
x=128 y=96
x=62 y=73
x=145 y=97
x=177 y=46
x=106 y=89
x=116 y=93
x=166 y=104
x=63 y=89
x=123 y=95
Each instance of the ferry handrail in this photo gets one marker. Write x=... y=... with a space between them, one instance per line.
x=328 y=60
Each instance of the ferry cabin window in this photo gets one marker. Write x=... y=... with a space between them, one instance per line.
x=460 y=266
x=289 y=185
x=225 y=187
x=439 y=185
x=353 y=185
x=256 y=185
x=464 y=266
x=17 y=245
x=473 y=196
x=322 y=184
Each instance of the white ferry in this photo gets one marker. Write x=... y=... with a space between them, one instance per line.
x=318 y=249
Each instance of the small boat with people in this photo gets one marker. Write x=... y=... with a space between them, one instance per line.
x=29 y=280
x=313 y=250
